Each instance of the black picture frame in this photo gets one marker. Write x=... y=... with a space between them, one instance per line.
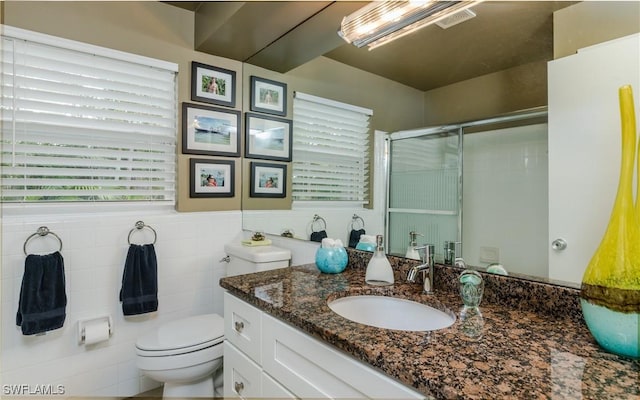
x=211 y=178
x=268 y=180
x=267 y=137
x=213 y=85
x=267 y=96
x=210 y=131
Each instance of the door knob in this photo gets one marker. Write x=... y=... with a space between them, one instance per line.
x=559 y=244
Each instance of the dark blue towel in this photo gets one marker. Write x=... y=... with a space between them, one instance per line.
x=139 y=292
x=318 y=236
x=354 y=237
x=43 y=299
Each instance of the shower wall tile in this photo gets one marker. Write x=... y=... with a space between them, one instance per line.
x=189 y=247
x=505 y=198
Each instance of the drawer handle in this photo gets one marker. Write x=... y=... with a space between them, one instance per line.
x=238 y=386
x=239 y=326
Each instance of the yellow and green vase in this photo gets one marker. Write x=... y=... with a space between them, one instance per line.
x=610 y=293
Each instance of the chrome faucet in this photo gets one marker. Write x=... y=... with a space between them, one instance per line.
x=426 y=268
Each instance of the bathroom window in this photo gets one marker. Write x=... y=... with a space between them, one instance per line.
x=82 y=123
x=331 y=146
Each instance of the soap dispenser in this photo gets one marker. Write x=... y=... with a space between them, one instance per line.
x=413 y=242
x=379 y=271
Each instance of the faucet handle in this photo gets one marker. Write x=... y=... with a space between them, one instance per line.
x=428 y=252
x=460 y=263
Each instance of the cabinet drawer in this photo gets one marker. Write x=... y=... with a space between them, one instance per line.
x=312 y=369
x=242 y=377
x=242 y=326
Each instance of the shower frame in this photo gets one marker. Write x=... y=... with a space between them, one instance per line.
x=524 y=117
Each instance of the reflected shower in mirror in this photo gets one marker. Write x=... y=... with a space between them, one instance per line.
x=424 y=183
x=486 y=188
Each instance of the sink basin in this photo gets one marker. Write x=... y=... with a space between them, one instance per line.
x=391 y=313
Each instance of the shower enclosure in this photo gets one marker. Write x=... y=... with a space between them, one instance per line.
x=501 y=164
x=425 y=187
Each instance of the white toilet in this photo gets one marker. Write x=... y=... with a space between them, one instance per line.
x=186 y=354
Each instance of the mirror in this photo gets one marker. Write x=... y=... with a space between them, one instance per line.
x=393 y=124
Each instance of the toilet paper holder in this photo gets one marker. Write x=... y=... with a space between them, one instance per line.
x=82 y=324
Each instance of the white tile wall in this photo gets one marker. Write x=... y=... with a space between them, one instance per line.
x=189 y=249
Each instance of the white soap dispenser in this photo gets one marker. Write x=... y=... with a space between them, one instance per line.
x=379 y=271
x=413 y=242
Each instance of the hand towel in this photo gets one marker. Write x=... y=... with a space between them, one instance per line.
x=318 y=236
x=139 y=292
x=354 y=237
x=43 y=298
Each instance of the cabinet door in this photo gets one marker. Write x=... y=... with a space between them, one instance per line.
x=242 y=326
x=312 y=369
x=242 y=377
x=584 y=147
x=271 y=389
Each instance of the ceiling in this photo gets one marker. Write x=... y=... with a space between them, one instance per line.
x=282 y=35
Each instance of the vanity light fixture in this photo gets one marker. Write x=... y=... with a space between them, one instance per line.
x=380 y=22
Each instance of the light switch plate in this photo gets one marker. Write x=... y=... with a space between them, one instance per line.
x=489 y=254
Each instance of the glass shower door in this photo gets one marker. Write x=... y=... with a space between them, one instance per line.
x=424 y=189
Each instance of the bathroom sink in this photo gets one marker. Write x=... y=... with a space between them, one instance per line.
x=391 y=313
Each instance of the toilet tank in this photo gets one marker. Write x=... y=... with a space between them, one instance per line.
x=247 y=259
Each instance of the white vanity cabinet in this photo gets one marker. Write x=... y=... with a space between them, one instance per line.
x=243 y=374
x=292 y=364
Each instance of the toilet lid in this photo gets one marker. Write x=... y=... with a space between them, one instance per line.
x=183 y=333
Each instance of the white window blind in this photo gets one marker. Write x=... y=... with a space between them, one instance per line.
x=84 y=123
x=330 y=150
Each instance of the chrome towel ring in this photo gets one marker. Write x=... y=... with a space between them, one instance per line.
x=354 y=220
x=42 y=232
x=139 y=226
x=317 y=218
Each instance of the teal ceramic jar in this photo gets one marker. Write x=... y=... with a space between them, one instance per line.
x=331 y=260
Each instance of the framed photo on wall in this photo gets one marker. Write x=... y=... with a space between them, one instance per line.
x=268 y=96
x=211 y=178
x=213 y=85
x=267 y=137
x=268 y=180
x=210 y=130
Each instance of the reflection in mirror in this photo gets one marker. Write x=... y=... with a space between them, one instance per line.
x=501 y=173
x=518 y=206
x=338 y=220
x=501 y=214
x=424 y=182
x=505 y=200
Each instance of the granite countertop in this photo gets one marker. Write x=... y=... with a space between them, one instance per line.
x=513 y=352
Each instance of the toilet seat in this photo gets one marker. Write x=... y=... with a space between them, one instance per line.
x=182 y=336
x=209 y=355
